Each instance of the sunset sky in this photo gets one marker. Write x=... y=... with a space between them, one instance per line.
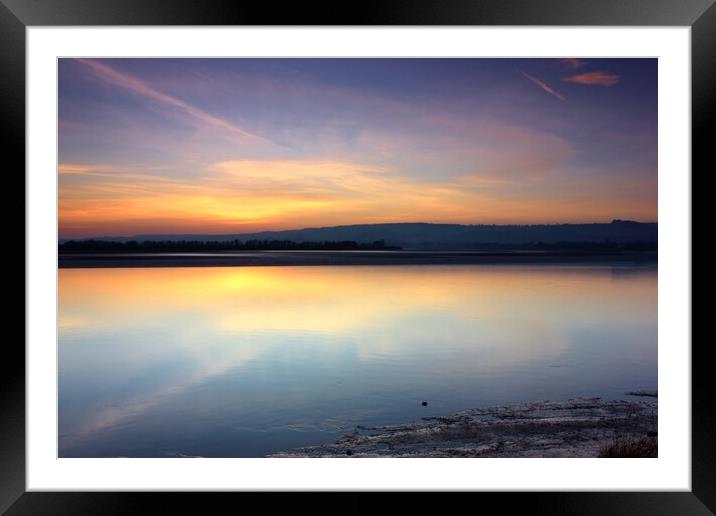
x=242 y=145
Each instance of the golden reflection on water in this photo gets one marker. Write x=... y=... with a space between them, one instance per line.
x=342 y=298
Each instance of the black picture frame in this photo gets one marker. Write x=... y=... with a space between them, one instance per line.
x=16 y=15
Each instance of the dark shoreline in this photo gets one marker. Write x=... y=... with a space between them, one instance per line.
x=324 y=258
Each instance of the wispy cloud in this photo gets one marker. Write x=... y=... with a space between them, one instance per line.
x=114 y=77
x=100 y=169
x=544 y=86
x=594 y=79
x=574 y=62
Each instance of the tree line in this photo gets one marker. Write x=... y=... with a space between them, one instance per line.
x=144 y=246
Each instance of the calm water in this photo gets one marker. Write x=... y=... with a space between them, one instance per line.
x=241 y=362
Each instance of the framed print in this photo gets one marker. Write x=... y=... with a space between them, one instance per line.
x=410 y=249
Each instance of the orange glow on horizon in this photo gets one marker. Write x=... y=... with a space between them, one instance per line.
x=247 y=196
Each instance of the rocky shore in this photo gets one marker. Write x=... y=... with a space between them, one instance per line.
x=575 y=428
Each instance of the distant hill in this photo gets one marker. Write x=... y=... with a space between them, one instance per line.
x=446 y=236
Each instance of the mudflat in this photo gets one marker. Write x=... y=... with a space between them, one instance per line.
x=578 y=427
x=281 y=258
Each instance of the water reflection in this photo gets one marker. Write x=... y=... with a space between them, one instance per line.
x=243 y=361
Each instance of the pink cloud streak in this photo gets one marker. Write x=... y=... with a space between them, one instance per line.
x=594 y=79
x=574 y=62
x=544 y=86
x=112 y=76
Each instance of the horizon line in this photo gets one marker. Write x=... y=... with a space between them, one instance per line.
x=353 y=225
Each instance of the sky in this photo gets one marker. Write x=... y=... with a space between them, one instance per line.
x=211 y=146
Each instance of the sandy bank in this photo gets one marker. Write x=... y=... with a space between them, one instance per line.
x=574 y=428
